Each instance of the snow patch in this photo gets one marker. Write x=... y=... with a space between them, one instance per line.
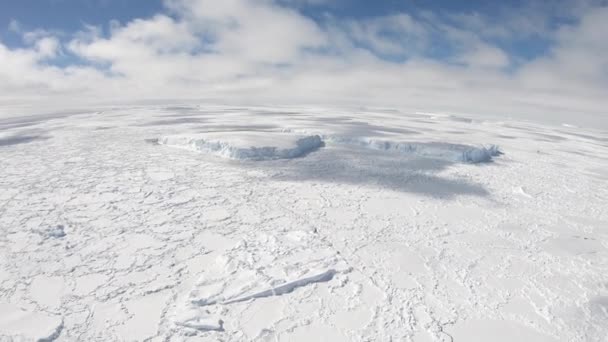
x=19 y=324
x=246 y=145
x=478 y=330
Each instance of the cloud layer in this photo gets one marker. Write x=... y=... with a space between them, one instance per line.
x=264 y=51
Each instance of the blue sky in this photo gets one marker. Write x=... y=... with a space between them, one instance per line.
x=68 y=16
x=530 y=57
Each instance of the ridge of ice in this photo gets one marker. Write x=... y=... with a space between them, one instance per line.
x=194 y=320
x=288 y=287
x=281 y=289
x=283 y=264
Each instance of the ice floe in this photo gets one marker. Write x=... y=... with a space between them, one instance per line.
x=246 y=145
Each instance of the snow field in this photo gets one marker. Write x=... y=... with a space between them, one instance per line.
x=389 y=232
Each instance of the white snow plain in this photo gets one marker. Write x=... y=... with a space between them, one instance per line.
x=300 y=224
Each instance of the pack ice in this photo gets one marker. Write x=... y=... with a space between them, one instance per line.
x=386 y=231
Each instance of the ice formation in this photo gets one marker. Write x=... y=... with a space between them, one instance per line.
x=285 y=145
x=451 y=152
x=247 y=145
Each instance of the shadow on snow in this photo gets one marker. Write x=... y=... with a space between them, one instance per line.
x=365 y=167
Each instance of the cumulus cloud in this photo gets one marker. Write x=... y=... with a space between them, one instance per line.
x=265 y=51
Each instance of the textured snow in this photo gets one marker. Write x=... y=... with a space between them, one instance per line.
x=247 y=145
x=390 y=231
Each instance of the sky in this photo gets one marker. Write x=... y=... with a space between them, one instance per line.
x=524 y=59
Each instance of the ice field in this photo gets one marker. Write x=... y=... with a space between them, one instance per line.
x=220 y=223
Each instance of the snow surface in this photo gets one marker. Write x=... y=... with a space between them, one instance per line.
x=19 y=324
x=386 y=229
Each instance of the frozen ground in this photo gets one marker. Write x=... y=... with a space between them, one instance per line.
x=321 y=225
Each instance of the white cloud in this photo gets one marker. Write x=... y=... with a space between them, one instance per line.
x=266 y=51
x=259 y=31
x=14 y=26
x=392 y=35
x=47 y=47
x=578 y=64
x=484 y=55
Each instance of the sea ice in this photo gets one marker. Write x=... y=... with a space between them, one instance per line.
x=380 y=235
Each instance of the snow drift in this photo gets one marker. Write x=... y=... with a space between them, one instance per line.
x=247 y=145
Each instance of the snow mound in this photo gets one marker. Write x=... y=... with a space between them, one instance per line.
x=246 y=145
x=445 y=151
